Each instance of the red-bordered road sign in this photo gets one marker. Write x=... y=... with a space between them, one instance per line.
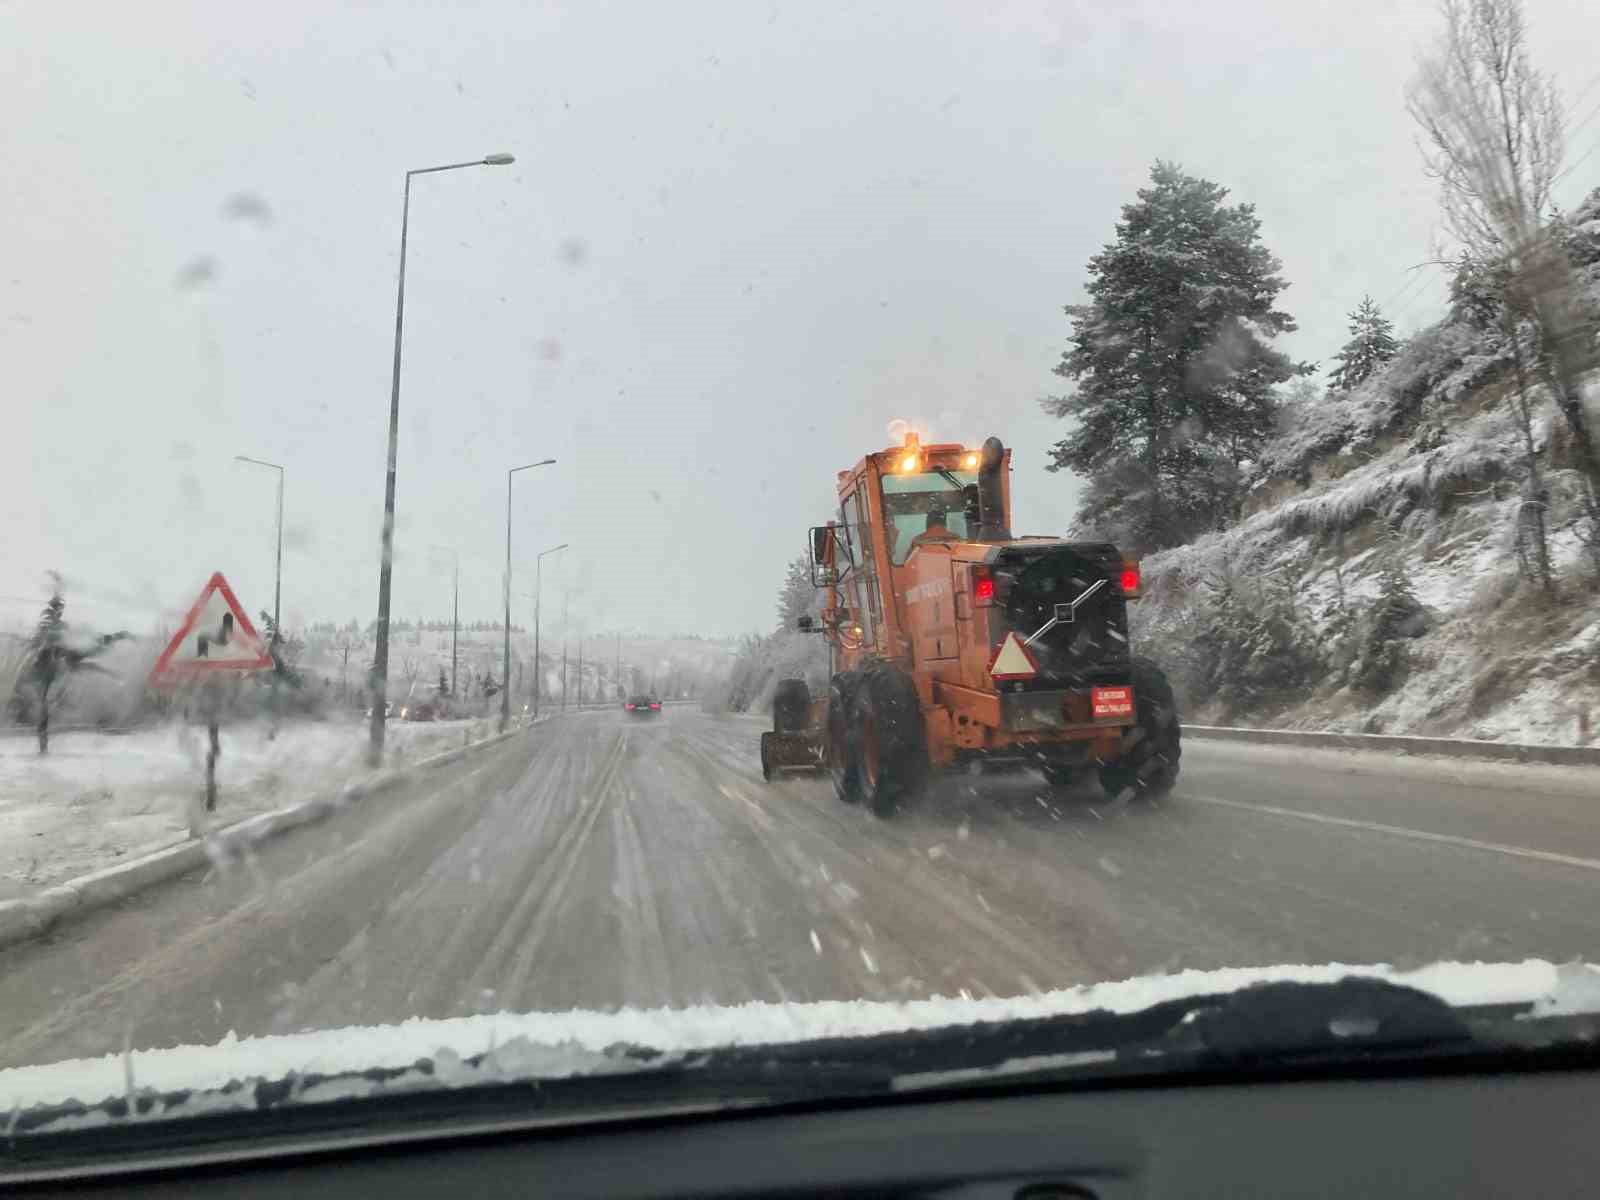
x=215 y=636
x=1012 y=660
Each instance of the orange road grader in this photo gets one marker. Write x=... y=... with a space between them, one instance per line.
x=957 y=646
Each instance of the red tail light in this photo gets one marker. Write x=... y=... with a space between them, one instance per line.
x=630 y=708
x=657 y=706
x=982 y=587
x=1130 y=578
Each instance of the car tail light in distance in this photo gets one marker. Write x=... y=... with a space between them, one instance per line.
x=655 y=707
x=1111 y=703
x=630 y=708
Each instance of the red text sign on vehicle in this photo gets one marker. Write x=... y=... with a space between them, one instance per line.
x=215 y=636
x=1109 y=703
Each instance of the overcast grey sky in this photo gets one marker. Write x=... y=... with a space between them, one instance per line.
x=739 y=239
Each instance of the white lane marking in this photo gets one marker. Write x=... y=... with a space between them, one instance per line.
x=1419 y=835
x=816 y=943
x=756 y=812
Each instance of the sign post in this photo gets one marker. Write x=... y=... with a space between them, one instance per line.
x=215 y=642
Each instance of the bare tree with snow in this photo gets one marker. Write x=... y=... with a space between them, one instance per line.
x=1493 y=136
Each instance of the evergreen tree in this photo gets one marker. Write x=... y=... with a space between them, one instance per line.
x=1394 y=619
x=285 y=651
x=1170 y=357
x=1371 y=344
x=50 y=661
x=797 y=597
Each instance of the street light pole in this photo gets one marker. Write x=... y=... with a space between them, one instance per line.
x=538 y=586
x=455 y=612
x=566 y=600
x=380 y=657
x=277 y=588
x=277 y=583
x=505 y=682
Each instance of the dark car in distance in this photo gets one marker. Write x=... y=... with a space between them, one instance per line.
x=642 y=706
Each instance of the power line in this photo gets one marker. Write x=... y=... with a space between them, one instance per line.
x=1585 y=121
x=1410 y=283
x=1578 y=99
x=1576 y=163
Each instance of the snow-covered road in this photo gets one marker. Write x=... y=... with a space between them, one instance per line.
x=600 y=861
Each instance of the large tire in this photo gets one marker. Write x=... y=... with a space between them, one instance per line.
x=1059 y=775
x=791 y=706
x=846 y=774
x=1152 y=748
x=889 y=739
x=767 y=768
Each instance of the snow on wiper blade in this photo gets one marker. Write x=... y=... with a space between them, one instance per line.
x=772 y=1050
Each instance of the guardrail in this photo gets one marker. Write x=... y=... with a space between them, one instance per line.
x=1524 y=752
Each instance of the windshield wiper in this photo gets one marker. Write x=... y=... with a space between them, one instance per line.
x=1263 y=1030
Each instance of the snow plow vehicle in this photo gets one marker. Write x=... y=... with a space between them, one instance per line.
x=954 y=645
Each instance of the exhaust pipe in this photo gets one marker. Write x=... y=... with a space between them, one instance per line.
x=991 y=494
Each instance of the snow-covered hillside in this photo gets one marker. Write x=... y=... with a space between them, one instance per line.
x=1418 y=473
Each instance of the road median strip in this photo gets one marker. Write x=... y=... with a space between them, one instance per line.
x=33 y=916
x=1518 y=752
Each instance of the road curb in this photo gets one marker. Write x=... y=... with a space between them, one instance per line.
x=1521 y=752
x=21 y=920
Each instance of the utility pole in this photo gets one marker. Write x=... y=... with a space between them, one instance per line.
x=566 y=600
x=580 y=672
x=618 y=681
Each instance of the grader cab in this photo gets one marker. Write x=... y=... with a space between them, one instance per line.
x=954 y=645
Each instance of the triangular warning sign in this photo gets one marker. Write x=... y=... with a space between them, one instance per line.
x=1012 y=660
x=215 y=636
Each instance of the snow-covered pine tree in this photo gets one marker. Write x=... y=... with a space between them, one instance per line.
x=1372 y=343
x=1174 y=375
x=797 y=597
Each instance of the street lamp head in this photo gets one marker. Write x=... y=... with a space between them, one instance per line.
x=498 y=160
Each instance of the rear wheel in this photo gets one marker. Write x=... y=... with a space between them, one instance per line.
x=1151 y=748
x=846 y=773
x=1058 y=776
x=791 y=706
x=890 y=739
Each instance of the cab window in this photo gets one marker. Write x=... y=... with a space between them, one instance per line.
x=922 y=503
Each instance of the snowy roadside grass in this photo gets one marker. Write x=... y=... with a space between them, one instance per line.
x=98 y=799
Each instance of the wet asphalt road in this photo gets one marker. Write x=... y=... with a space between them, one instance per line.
x=599 y=861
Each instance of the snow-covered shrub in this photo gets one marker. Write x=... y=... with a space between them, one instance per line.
x=1395 y=618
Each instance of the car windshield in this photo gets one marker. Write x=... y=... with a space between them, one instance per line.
x=479 y=588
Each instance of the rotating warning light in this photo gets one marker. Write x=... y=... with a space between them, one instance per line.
x=908 y=464
x=969 y=460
